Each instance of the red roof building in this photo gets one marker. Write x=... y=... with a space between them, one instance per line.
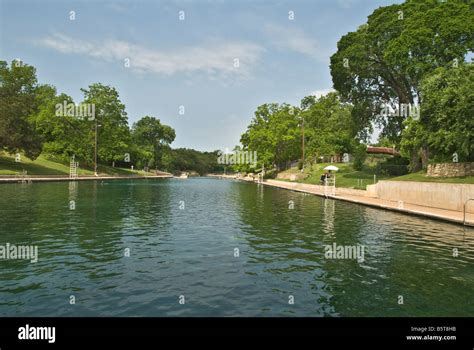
x=382 y=150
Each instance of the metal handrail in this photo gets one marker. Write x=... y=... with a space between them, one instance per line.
x=464 y=210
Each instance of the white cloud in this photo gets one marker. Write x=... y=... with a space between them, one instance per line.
x=321 y=92
x=216 y=59
x=294 y=39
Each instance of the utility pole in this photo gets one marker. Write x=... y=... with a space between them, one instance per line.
x=302 y=142
x=95 y=150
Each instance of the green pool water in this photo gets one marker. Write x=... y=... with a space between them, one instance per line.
x=208 y=247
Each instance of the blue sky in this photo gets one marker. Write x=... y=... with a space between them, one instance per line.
x=190 y=62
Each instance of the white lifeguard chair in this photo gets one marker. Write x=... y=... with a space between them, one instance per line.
x=330 y=186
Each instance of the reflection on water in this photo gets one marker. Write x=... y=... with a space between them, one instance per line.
x=182 y=237
x=328 y=219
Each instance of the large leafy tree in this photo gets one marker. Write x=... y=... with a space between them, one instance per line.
x=152 y=139
x=329 y=128
x=62 y=135
x=18 y=105
x=274 y=133
x=385 y=60
x=183 y=159
x=446 y=126
x=111 y=118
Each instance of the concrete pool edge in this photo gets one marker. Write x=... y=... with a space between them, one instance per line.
x=451 y=216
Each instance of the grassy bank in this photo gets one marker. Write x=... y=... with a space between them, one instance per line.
x=45 y=166
x=350 y=178
x=345 y=177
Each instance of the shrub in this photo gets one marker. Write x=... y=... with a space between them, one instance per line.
x=360 y=155
x=300 y=164
x=395 y=166
x=271 y=174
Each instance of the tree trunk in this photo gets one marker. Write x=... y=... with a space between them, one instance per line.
x=415 y=164
x=424 y=154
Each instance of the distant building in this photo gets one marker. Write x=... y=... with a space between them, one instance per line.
x=382 y=150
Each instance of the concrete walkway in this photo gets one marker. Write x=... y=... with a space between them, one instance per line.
x=362 y=197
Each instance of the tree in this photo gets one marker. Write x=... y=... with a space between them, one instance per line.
x=329 y=128
x=274 y=133
x=18 y=104
x=153 y=137
x=111 y=118
x=385 y=60
x=360 y=155
x=446 y=125
x=62 y=135
x=183 y=159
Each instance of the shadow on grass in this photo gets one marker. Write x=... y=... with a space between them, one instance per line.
x=8 y=166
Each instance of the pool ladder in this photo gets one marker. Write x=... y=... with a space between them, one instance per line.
x=25 y=178
x=464 y=213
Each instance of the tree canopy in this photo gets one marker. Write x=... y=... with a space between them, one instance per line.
x=34 y=118
x=276 y=131
x=152 y=139
x=446 y=126
x=18 y=104
x=329 y=128
x=385 y=60
x=274 y=134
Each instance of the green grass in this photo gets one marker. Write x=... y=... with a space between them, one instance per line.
x=41 y=166
x=346 y=176
x=421 y=177
x=45 y=166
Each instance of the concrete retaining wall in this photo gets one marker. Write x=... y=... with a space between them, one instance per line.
x=352 y=192
x=429 y=194
x=317 y=188
x=296 y=185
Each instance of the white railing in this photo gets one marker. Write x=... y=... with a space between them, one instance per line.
x=464 y=212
